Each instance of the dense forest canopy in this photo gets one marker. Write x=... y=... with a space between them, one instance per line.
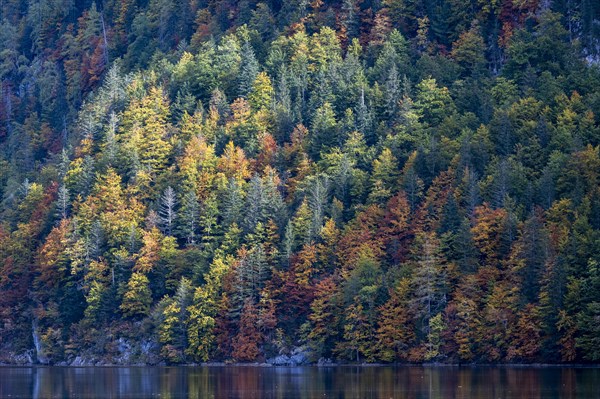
x=371 y=181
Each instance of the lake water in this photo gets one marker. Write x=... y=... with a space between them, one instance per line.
x=299 y=382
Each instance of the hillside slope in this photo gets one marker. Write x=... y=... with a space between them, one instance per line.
x=394 y=181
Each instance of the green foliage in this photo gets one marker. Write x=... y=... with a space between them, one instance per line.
x=145 y=130
x=138 y=297
x=261 y=95
x=434 y=337
x=378 y=181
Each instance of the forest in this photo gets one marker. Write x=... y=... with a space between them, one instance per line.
x=363 y=181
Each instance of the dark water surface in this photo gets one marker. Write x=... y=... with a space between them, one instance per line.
x=299 y=382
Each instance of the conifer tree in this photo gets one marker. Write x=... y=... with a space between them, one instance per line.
x=430 y=280
x=249 y=70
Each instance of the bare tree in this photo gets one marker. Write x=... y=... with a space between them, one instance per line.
x=62 y=205
x=317 y=200
x=166 y=210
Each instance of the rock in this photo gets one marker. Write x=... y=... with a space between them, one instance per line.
x=299 y=359
x=324 y=362
x=281 y=360
x=23 y=359
x=299 y=356
x=82 y=361
x=299 y=349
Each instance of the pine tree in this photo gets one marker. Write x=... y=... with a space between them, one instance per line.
x=434 y=337
x=145 y=126
x=203 y=312
x=251 y=273
x=288 y=243
x=255 y=205
x=324 y=130
x=175 y=315
x=110 y=141
x=430 y=280
x=208 y=224
x=232 y=203
x=392 y=94
x=317 y=201
x=275 y=206
x=249 y=70
x=364 y=117
x=384 y=178
x=350 y=19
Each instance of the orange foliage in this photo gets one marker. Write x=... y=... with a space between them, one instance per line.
x=246 y=343
x=268 y=150
x=430 y=212
x=233 y=163
x=526 y=338
x=52 y=257
x=487 y=231
x=395 y=229
x=361 y=233
x=396 y=332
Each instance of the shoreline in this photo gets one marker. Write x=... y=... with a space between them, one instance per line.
x=311 y=365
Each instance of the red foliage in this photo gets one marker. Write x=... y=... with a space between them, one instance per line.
x=43 y=209
x=268 y=150
x=430 y=212
x=487 y=231
x=246 y=343
x=13 y=284
x=361 y=232
x=225 y=327
x=395 y=229
x=512 y=15
x=292 y=296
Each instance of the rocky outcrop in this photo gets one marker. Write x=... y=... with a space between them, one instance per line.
x=18 y=359
x=124 y=352
x=298 y=357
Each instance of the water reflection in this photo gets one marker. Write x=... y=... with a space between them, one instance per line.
x=300 y=382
